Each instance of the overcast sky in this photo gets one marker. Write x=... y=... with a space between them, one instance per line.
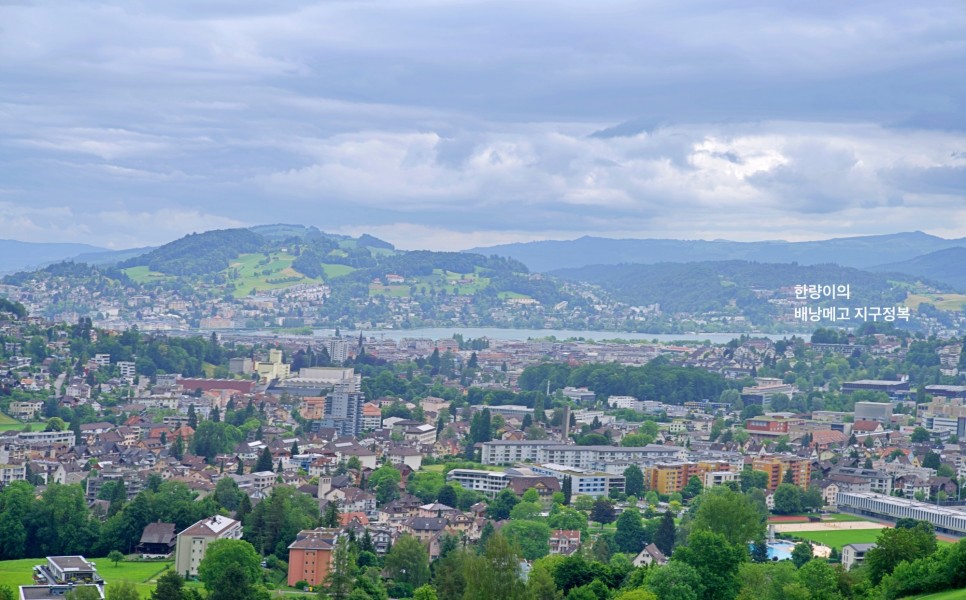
x=446 y=124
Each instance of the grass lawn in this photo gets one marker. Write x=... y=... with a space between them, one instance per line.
x=333 y=270
x=843 y=518
x=18 y=426
x=19 y=572
x=837 y=539
x=144 y=274
x=7 y=419
x=947 y=595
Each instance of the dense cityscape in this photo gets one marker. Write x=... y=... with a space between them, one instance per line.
x=233 y=465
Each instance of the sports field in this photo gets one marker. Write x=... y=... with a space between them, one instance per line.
x=838 y=538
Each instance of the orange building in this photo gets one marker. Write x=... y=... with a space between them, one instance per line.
x=776 y=466
x=667 y=478
x=310 y=555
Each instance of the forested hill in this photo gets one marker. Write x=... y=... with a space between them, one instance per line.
x=946 y=266
x=198 y=253
x=710 y=286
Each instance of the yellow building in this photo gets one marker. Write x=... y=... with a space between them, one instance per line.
x=668 y=478
x=274 y=368
x=776 y=466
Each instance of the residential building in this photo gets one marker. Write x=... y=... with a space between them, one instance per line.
x=853 y=554
x=583 y=481
x=193 y=541
x=310 y=555
x=564 y=541
x=775 y=465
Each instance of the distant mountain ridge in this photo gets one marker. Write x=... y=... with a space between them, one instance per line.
x=17 y=256
x=698 y=287
x=946 y=266
x=858 y=252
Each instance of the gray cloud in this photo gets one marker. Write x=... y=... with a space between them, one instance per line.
x=448 y=121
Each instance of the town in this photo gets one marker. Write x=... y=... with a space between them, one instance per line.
x=372 y=468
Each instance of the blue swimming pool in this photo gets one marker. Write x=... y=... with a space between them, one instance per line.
x=778 y=550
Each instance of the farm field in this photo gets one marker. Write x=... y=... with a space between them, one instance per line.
x=256 y=272
x=953 y=302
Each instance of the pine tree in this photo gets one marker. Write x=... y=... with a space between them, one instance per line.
x=567 y=489
x=215 y=414
x=192 y=417
x=241 y=467
x=664 y=538
x=244 y=507
x=264 y=461
x=177 y=448
x=295 y=448
x=366 y=544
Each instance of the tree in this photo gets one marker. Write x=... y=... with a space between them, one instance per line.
x=227 y=494
x=192 y=417
x=526 y=511
x=425 y=592
x=931 y=461
x=532 y=537
x=408 y=562
x=295 y=448
x=788 y=499
x=664 y=538
x=716 y=560
x=342 y=571
x=751 y=479
x=115 y=557
x=813 y=499
x=566 y=488
x=230 y=569
x=122 y=590
x=541 y=585
x=919 y=435
x=447 y=495
x=636 y=594
x=265 y=461
x=629 y=533
x=677 y=581
x=802 y=553
x=170 y=586
x=732 y=514
x=820 y=579
x=331 y=515
x=896 y=545
x=7 y=593
x=87 y=592
x=500 y=508
x=693 y=488
x=603 y=511
x=495 y=573
x=634 y=481
x=177 y=447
